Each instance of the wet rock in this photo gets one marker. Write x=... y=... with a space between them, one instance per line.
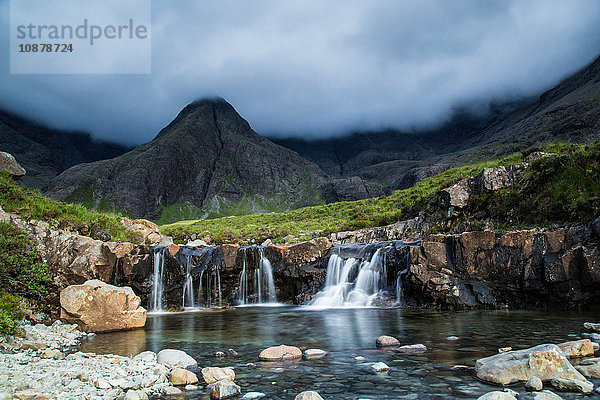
x=591 y=326
x=497 y=395
x=96 y=306
x=190 y=388
x=215 y=374
x=451 y=338
x=543 y=395
x=175 y=358
x=279 y=353
x=308 y=395
x=180 y=377
x=233 y=353
x=359 y=358
x=379 y=367
x=577 y=348
x=219 y=354
x=314 y=353
x=8 y=163
x=223 y=389
x=170 y=390
x=589 y=368
x=545 y=361
x=594 y=337
x=253 y=396
x=534 y=384
x=504 y=349
x=387 y=341
x=412 y=348
x=572 y=385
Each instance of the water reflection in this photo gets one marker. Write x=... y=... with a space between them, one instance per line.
x=346 y=333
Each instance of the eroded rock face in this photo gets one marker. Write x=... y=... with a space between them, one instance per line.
x=489 y=180
x=519 y=268
x=96 y=306
x=545 y=361
x=8 y=163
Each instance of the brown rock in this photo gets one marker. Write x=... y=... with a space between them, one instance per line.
x=215 y=374
x=577 y=348
x=180 y=377
x=279 y=353
x=96 y=306
x=387 y=341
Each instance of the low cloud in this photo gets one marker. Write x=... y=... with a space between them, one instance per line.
x=314 y=68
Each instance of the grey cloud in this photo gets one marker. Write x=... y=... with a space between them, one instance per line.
x=318 y=68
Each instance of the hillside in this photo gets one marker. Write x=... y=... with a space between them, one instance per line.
x=396 y=159
x=46 y=152
x=207 y=162
x=562 y=187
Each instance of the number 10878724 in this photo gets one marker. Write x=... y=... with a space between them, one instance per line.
x=46 y=48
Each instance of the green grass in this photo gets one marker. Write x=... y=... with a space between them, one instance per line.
x=21 y=274
x=30 y=204
x=562 y=188
x=309 y=222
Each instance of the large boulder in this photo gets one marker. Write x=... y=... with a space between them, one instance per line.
x=96 y=306
x=545 y=361
x=8 y=163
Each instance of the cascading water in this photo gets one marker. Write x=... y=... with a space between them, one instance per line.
x=399 y=291
x=343 y=290
x=157 y=279
x=188 y=288
x=262 y=284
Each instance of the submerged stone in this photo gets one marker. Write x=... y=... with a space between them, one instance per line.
x=223 y=389
x=314 y=353
x=379 y=367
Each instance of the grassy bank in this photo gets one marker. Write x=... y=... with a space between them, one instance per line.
x=556 y=189
x=30 y=204
x=308 y=222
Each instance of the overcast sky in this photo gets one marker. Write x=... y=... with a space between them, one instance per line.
x=319 y=68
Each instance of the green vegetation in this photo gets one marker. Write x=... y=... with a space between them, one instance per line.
x=20 y=274
x=555 y=189
x=308 y=222
x=11 y=314
x=31 y=204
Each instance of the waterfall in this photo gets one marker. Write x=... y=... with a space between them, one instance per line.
x=341 y=289
x=157 y=279
x=188 y=289
x=209 y=289
x=262 y=284
x=399 y=291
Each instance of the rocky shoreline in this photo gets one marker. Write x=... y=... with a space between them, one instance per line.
x=46 y=364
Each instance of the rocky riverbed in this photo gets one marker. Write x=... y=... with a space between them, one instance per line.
x=55 y=362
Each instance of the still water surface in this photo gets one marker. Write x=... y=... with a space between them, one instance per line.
x=346 y=334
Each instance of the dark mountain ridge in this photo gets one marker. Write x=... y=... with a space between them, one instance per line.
x=207 y=161
x=46 y=152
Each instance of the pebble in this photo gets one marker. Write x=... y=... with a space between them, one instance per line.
x=410 y=348
x=379 y=367
x=534 y=384
x=504 y=349
x=359 y=358
x=452 y=338
x=253 y=396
